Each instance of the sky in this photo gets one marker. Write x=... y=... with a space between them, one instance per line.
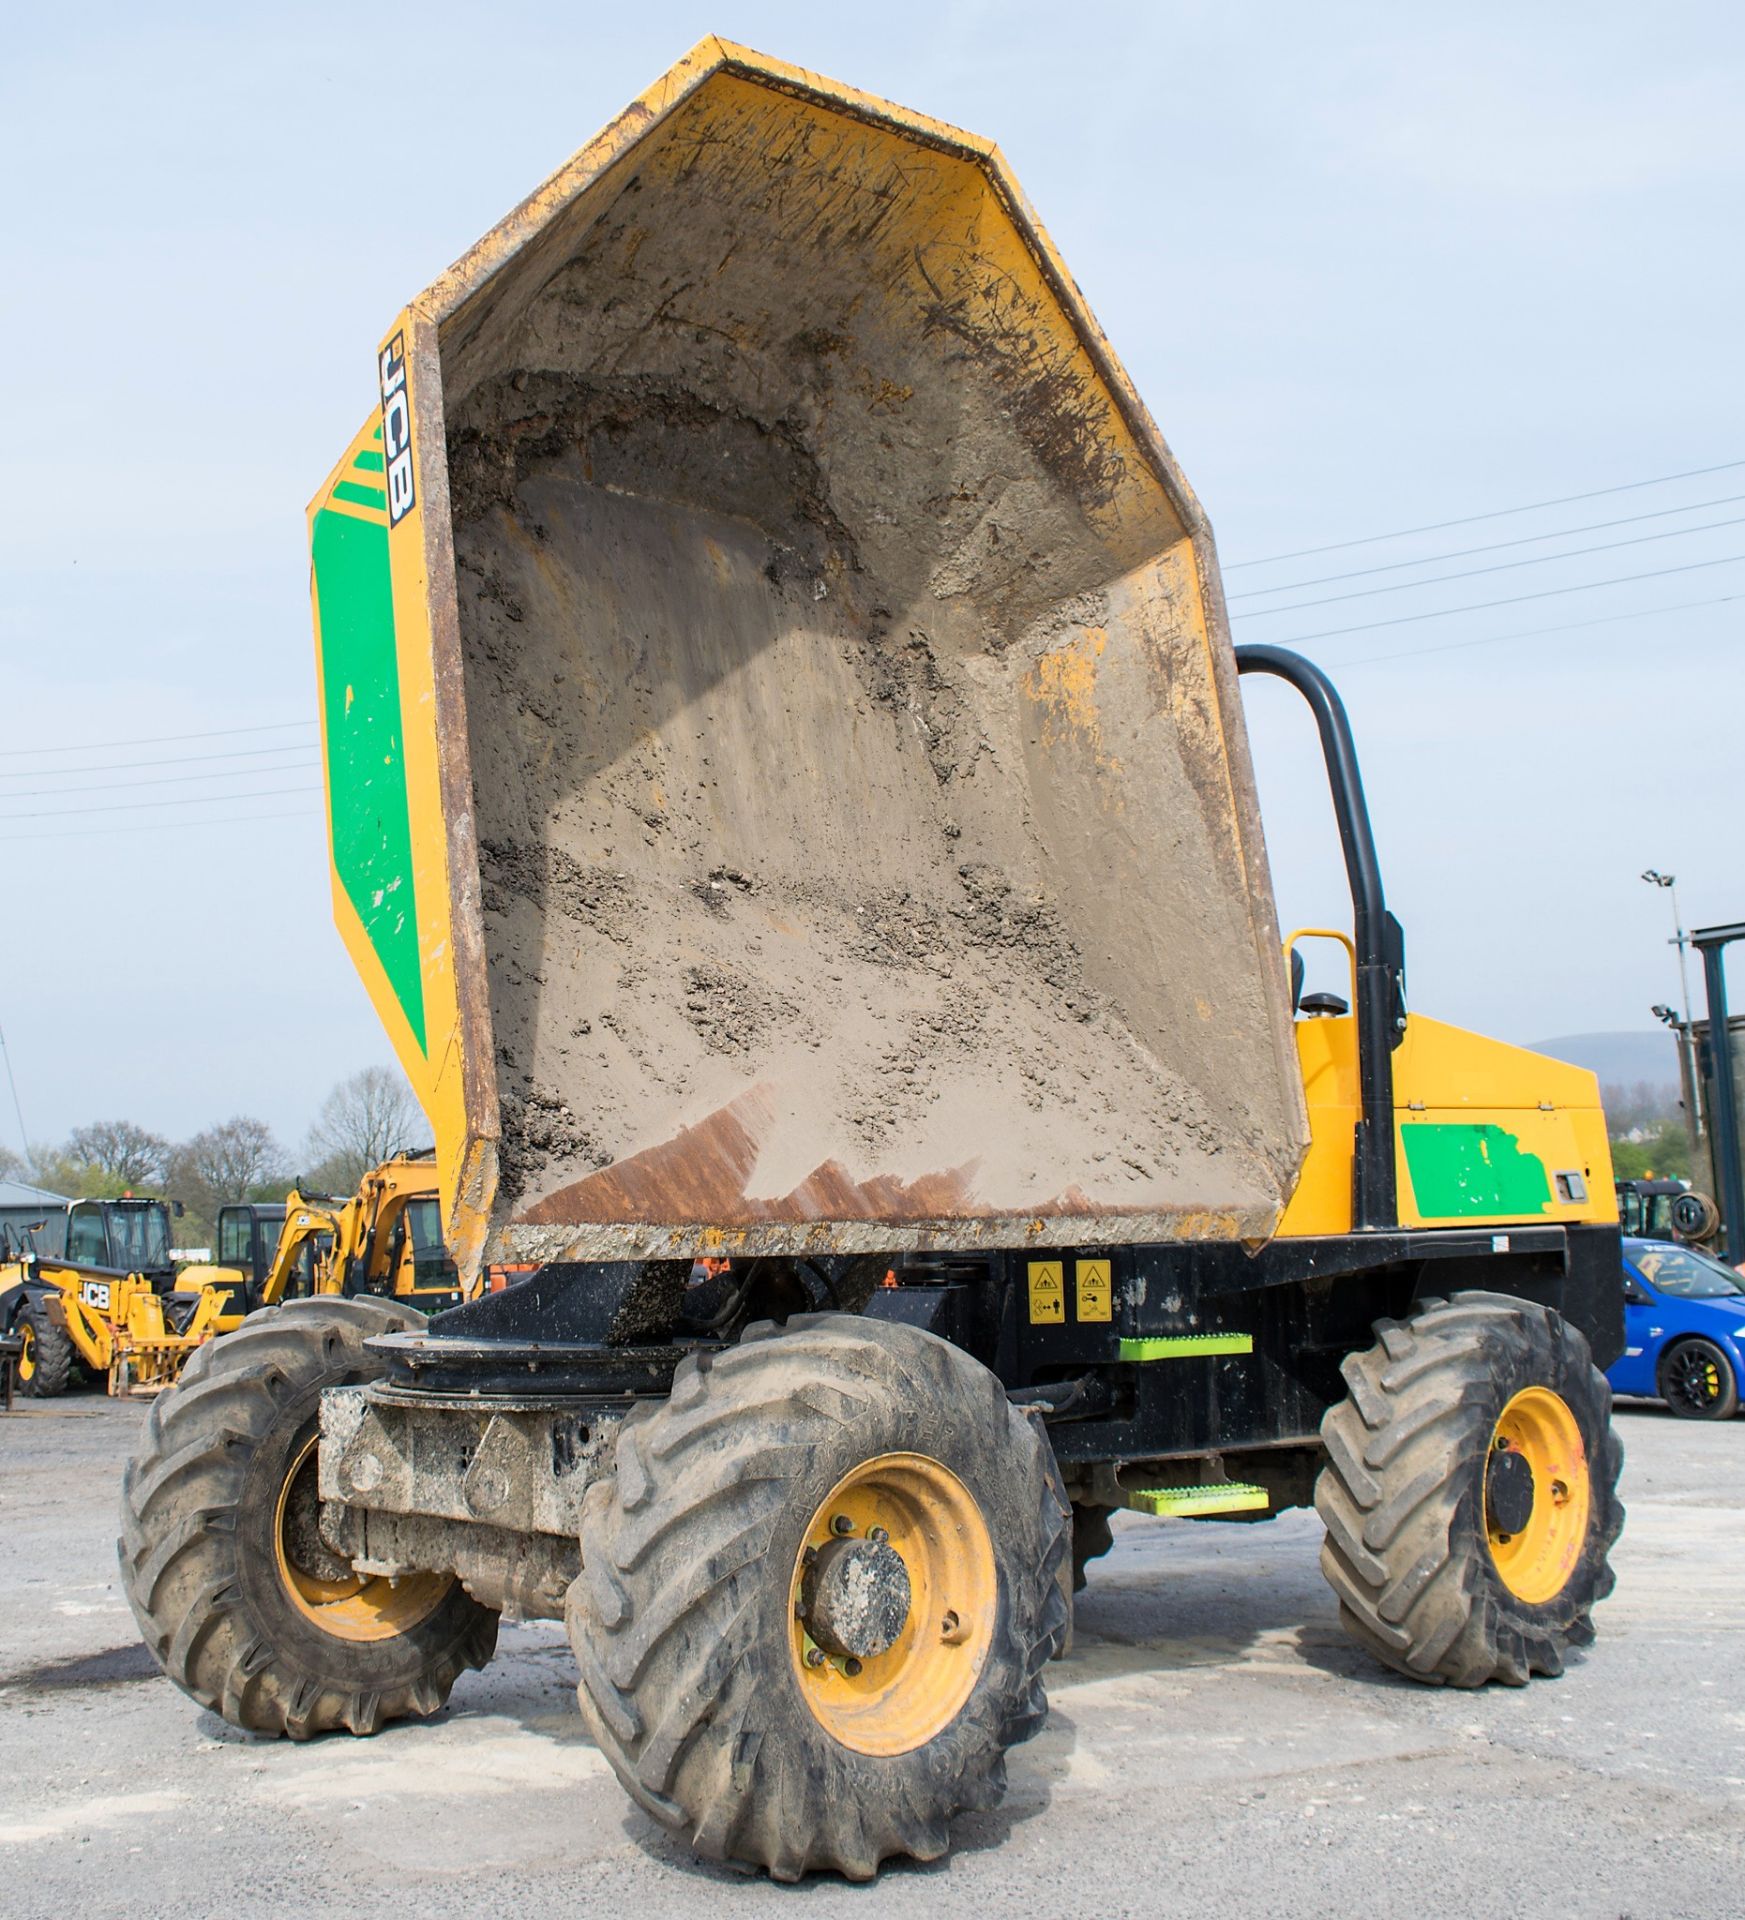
x=1373 y=267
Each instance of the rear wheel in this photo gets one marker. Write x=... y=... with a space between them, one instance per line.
x=1470 y=1492
x=237 y=1594
x=45 y=1362
x=817 y=1599
x=1697 y=1381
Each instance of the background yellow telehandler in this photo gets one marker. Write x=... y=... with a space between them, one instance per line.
x=96 y=1286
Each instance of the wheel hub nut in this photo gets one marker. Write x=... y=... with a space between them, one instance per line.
x=855 y=1598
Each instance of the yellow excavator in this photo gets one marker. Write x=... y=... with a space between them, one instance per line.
x=385 y=1240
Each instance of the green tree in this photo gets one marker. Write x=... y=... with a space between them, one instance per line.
x=63 y=1171
x=1663 y=1154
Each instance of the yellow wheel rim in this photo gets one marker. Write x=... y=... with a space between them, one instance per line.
x=895 y=1700
x=1536 y=1558
x=350 y=1606
x=27 y=1354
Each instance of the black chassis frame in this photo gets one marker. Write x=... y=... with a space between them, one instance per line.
x=582 y=1336
x=608 y=1333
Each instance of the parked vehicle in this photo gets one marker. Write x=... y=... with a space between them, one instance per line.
x=1666 y=1210
x=1684 y=1330
x=95 y=1287
x=790 y=805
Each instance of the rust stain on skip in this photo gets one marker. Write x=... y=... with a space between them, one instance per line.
x=703 y=1172
x=702 y=1175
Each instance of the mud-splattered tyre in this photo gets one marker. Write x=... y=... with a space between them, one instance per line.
x=246 y=1608
x=1470 y=1493
x=44 y=1366
x=818 y=1596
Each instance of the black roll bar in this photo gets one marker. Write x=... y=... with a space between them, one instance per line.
x=1380 y=942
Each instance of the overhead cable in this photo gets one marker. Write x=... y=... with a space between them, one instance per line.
x=1472 y=519
x=1500 y=566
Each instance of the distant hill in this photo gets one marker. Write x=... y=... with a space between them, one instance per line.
x=1620 y=1059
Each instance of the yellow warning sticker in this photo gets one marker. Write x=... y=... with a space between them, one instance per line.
x=1047 y=1293
x=1095 y=1293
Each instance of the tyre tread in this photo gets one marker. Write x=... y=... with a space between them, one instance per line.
x=1404 y=1549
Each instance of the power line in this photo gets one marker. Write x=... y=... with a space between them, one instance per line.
x=1513 y=600
x=154 y=739
x=11 y=1081
x=163 y=826
x=1501 y=566
x=173 y=760
x=163 y=780
x=136 y=806
x=1466 y=553
x=1472 y=519
x=1531 y=633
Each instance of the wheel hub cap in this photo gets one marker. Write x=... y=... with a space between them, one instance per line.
x=1508 y=1491
x=855 y=1596
x=893 y=1603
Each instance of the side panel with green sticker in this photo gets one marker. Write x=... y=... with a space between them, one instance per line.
x=1462 y=1171
x=366 y=773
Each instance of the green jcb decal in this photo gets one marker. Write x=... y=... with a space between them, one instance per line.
x=366 y=764
x=1461 y=1171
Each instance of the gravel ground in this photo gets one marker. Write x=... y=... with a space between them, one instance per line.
x=1215 y=1746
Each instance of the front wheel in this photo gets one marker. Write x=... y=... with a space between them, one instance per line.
x=1697 y=1381
x=244 y=1604
x=1470 y=1493
x=45 y=1358
x=817 y=1597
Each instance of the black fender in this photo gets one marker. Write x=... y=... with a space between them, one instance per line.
x=30 y=1293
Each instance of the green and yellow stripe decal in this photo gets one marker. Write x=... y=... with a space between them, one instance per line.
x=368 y=814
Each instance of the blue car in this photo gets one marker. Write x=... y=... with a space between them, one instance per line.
x=1684 y=1330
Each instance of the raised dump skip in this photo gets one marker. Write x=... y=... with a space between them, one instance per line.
x=828 y=817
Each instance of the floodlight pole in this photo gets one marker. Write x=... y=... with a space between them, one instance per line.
x=1686 y=1040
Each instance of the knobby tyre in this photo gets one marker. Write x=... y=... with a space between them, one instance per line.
x=1470 y=1492
x=714 y=1671
x=242 y=1603
x=45 y=1367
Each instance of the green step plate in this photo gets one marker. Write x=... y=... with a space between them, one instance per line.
x=1187 y=1346
x=1227 y=1496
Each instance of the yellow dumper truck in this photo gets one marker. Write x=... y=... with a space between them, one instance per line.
x=790 y=806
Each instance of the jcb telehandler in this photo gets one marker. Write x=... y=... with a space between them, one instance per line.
x=790 y=805
x=101 y=1291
